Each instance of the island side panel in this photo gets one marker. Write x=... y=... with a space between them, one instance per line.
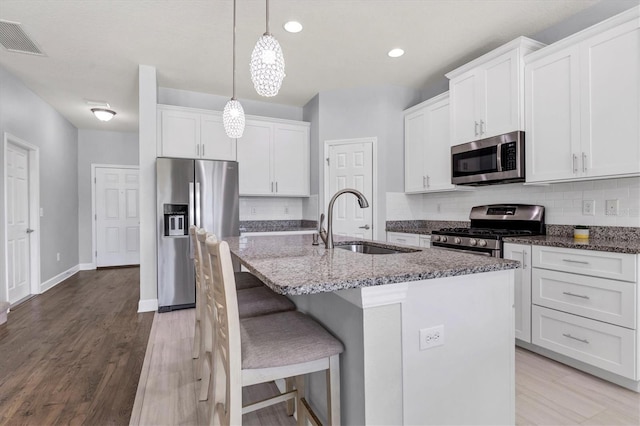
x=470 y=379
x=345 y=321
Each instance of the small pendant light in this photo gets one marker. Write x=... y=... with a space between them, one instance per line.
x=267 y=64
x=233 y=114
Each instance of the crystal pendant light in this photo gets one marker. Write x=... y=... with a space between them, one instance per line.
x=267 y=64
x=233 y=114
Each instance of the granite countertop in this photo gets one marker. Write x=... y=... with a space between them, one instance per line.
x=278 y=225
x=291 y=265
x=600 y=244
x=423 y=227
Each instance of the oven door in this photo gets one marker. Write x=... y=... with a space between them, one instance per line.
x=471 y=250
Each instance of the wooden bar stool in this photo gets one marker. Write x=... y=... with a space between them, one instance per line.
x=262 y=349
x=253 y=301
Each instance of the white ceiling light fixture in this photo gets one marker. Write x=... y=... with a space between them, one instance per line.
x=233 y=114
x=267 y=64
x=293 y=26
x=103 y=114
x=396 y=53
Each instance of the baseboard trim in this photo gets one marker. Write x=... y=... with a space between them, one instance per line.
x=87 y=266
x=147 y=305
x=52 y=282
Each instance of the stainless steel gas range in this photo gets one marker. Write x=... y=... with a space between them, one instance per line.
x=489 y=225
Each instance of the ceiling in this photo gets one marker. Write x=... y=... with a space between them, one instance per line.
x=93 y=48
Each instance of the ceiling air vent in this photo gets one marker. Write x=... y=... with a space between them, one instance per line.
x=14 y=39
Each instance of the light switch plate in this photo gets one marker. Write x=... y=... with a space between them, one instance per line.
x=611 y=207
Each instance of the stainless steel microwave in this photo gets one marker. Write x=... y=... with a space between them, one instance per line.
x=499 y=159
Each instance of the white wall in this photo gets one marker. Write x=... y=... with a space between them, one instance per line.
x=357 y=113
x=562 y=201
x=26 y=116
x=98 y=147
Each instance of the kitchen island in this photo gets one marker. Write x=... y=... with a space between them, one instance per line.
x=458 y=307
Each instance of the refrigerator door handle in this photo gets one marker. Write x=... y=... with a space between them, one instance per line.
x=197 y=207
x=191 y=253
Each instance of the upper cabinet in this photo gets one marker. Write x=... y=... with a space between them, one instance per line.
x=274 y=158
x=583 y=104
x=427 y=148
x=193 y=133
x=487 y=93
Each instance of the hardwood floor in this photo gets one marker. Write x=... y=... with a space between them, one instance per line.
x=73 y=355
x=547 y=392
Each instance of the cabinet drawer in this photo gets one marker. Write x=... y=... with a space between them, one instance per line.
x=597 y=298
x=602 y=345
x=618 y=266
x=401 y=238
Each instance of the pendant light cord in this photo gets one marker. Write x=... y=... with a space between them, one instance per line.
x=234 y=50
x=267 y=33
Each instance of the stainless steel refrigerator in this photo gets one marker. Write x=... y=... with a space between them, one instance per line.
x=200 y=192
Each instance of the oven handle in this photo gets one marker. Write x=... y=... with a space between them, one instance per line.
x=499 y=157
x=459 y=250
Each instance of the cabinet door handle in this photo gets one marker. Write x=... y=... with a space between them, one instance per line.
x=524 y=259
x=203 y=150
x=476 y=128
x=276 y=186
x=584 y=162
x=198 y=150
x=582 y=262
x=424 y=181
x=567 y=335
x=568 y=293
x=271 y=186
x=428 y=184
x=482 y=123
x=401 y=239
x=575 y=163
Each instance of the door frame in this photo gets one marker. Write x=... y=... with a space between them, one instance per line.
x=34 y=213
x=374 y=174
x=94 y=236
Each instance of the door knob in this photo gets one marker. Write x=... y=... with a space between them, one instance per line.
x=364 y=227
x=29 y=230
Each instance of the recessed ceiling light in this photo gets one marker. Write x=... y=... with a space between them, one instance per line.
x=293 y=26
x=395 y=53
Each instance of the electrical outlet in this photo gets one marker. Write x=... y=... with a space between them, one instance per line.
x=431 y=337
x=286 y=210
x=611 y=208
x=438 y=207
x=253 y=210
x=58 y=257
x=588 y=207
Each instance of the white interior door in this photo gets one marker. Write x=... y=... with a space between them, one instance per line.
x=18 y=231
x=117 y=217
x=351 y=166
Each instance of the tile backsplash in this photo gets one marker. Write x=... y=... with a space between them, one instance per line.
x=563 y=202
x=270 y=208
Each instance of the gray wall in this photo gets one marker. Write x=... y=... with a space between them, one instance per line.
x=28 y=117
x=357 y=113
x=98 y=147
x=186 y=98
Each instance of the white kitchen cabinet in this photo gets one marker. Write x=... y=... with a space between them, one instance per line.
x=403 y=238
x=427 y=147
x=582 y=99
x=487 y=93
x=522 y=290
x=193 y=133
x=273 y=156
x=585 y=307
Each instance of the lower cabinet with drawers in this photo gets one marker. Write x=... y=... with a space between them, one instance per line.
x=584 y=306
x=417 y=240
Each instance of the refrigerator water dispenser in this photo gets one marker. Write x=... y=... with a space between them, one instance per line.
x=176 y=221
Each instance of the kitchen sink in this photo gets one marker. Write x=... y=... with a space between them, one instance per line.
x=366 y=248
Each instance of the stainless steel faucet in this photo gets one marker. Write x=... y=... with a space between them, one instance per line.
x=327 y=236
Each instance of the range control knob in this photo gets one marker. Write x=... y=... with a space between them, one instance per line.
x=435 y=238
x=473 y=241
x=457 y=240
x=443 y=239
x=482 y=243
